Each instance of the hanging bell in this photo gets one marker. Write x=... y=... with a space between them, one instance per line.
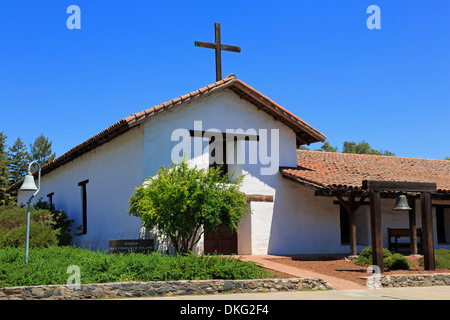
x=401 y=203
x=28 y=183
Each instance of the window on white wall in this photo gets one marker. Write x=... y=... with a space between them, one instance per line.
x=50 y=198
x=83 y=184
x=442 y=218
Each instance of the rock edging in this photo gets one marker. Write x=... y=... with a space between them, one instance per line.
x=415 y=280
x=159 y=288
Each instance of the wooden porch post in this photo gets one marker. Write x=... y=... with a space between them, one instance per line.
x=352 y=222
x=376 y=232
x=351 y=206
x=427 y=231
x=412 y=225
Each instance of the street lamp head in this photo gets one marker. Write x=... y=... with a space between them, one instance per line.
x=28 y=183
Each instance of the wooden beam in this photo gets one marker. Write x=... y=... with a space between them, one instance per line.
x=218 y=49
x=412 y=225
x=427 y=231
x=259 y=198
x=213 y=46
x=364 y=203
x=225 y=135
x=393 y=186
x=376 y=231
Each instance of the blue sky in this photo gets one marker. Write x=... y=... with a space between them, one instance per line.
x=316 y=58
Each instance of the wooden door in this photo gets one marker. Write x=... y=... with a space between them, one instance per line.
x=223 y=242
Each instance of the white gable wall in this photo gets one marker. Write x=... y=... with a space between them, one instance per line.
x=225 y=110
x=114 y=169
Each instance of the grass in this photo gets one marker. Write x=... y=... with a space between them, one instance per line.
x=49 y=266
x=442 y=258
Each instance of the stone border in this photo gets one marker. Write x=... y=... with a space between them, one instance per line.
x=415 y=280
x=159 y=288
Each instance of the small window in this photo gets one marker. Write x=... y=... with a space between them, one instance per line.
x=50 y=198
x=218 y=158
x=440 y=224
x=83 y=184
x=345 y=225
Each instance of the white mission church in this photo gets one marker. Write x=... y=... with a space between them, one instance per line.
x=302 y=202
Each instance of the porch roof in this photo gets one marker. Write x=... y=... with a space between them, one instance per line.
x=344 y=171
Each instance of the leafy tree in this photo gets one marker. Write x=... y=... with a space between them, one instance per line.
x=327 y=148
x=363 y=148
x=18 y=161
x=4 y=171
x=447 y=158
x=41 y=150
x=179 y=201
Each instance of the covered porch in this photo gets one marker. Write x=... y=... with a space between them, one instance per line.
x=345 y=180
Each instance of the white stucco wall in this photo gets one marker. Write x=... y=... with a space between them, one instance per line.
x=222 y=111
x=305 y=224
x=114 y=170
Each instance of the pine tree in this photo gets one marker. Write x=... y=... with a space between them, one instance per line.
x=18 y=161
x=4 y=171
x=41 y=150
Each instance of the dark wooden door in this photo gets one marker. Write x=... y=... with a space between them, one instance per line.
x=223 y=242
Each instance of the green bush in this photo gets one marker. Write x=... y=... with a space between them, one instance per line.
x=61 y=222
x=205 y=198
x=390 y=261
x=13 y=227
x=397 y=262
x=48 y=226
x=40 y=236
x=365 y=257
x=49 y=266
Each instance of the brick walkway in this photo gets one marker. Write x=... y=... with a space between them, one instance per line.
x=335 y=283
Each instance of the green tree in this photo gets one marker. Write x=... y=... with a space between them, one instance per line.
x=4 y=171
x=447 y=158
x=363 y=148
x=327 y=148
x=179 y=201
x=41 y=150
x=18 y=161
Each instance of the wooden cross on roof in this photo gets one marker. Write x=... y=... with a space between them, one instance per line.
x=218 y=46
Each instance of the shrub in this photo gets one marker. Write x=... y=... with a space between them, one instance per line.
x=62 y=223
x=49 y=266
x=46 y=225
x=13 y=227
x=204 y=200
x=365 y=257
x=390 y=261
x=40 y=236
x=397 y=262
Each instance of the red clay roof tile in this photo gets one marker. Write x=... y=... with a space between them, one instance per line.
x=347 y=171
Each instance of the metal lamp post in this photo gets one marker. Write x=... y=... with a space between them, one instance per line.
x=29 y=185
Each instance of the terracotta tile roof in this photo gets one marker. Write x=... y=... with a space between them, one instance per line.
x=304 y=132
x=347 y=171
